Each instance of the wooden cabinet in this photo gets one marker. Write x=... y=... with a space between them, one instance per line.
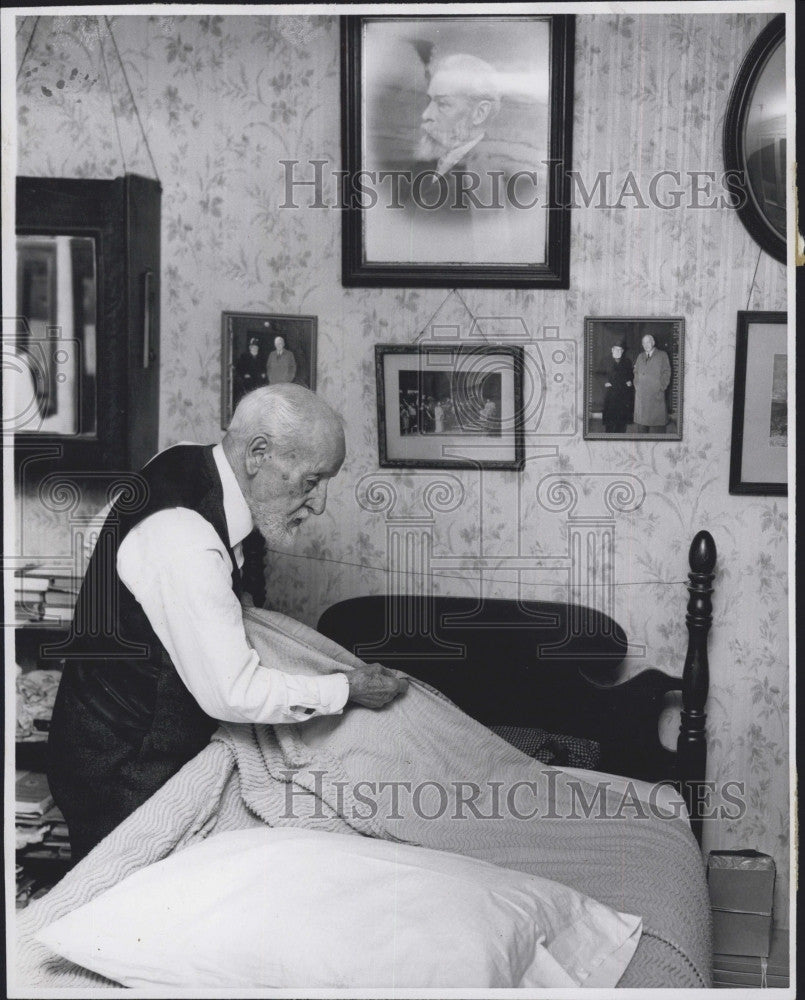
x=87 y=340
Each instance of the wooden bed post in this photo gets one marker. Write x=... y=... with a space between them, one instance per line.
x=691 y=745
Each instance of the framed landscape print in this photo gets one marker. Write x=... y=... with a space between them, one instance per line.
x=263 y=349
x=759 y=453
x=633 y=378
x=456 y=142
x=450 y=407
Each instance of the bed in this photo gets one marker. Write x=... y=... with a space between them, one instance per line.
x=556 y=669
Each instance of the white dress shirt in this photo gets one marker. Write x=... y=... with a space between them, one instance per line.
x=178 y=568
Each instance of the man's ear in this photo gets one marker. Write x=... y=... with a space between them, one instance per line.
x=258 y=451
x=481 y=112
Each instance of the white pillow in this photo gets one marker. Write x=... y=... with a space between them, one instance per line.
x=298 y=908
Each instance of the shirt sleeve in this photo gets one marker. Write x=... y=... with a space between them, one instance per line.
x=176 y=566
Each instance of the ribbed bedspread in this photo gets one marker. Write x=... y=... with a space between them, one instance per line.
x=418 y=771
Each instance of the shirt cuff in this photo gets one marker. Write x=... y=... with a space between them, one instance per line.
x=312 y=696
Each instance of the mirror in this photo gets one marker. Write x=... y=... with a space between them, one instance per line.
x=54 y=370
x=764 y=141
x=755 y=140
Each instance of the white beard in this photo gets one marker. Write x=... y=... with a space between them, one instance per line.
x=275 y=529
x=433 y=143
x=428 y=148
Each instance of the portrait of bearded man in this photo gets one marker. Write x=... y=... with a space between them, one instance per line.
x=463 y=100
x=461 y=139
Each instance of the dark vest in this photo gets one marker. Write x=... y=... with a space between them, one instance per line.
x=116 y=665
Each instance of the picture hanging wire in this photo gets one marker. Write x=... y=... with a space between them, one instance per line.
x=754 y=275
x=131 y=95
x=456 y=575
x=28 y=46
x=111 y=95
x=437 y=310
x=27 y=51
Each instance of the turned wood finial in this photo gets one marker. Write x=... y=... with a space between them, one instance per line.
x=702 y=555
x=692 y=742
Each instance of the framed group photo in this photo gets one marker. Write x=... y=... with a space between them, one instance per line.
x=445 y=407
x=633 y=378
x=264 y=349
x=457 y=150
x=759 y=452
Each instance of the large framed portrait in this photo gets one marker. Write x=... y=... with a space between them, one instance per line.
x=457 y=150
x=264 y=349
x=444 y=407
x=759 y=453
x=633 y=377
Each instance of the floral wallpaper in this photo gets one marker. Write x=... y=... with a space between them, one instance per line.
x=223 y=99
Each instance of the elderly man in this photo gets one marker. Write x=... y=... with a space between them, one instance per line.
x=652 y=376
x=462 y=193
x=168 y=656
x=463 y=99
x=459 y=165
x=281 y=366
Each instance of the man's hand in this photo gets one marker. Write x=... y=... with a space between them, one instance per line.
x=374 y=686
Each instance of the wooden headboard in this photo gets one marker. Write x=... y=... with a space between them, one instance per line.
x=547 y=664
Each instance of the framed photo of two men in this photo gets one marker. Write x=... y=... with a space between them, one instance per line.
x=456 y=138
x=633 y=378
x=263 y=349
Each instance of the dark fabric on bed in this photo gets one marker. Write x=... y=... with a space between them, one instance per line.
x=552 y=748
x=124 y=722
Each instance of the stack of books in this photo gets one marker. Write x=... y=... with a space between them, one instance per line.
x=32 y=801
x=29 y=887
x=42 y=595
x=57 y=837
x=41 y=835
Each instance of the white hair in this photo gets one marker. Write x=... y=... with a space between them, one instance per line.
x=285 y=412
x=472 y=77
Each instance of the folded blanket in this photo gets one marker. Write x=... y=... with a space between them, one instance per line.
x=418 y=771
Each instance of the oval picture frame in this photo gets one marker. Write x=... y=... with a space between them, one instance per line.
x=749 y=208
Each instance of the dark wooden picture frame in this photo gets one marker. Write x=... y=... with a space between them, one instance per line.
x=450 y=406
x=759 y=450
x=610 y=392
x=757 y=180
x=419 y=223
x=239 y=374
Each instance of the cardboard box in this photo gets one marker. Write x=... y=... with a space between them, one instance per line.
x=747 y=970
x=741 y=893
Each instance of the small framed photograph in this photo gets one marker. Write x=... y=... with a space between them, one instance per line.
x=633 y=378
x=456 y=142
x=264 y=349
x=759 y=453
x=444 y=407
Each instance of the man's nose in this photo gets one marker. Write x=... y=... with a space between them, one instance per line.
x=317 y=500
x=428 y=114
